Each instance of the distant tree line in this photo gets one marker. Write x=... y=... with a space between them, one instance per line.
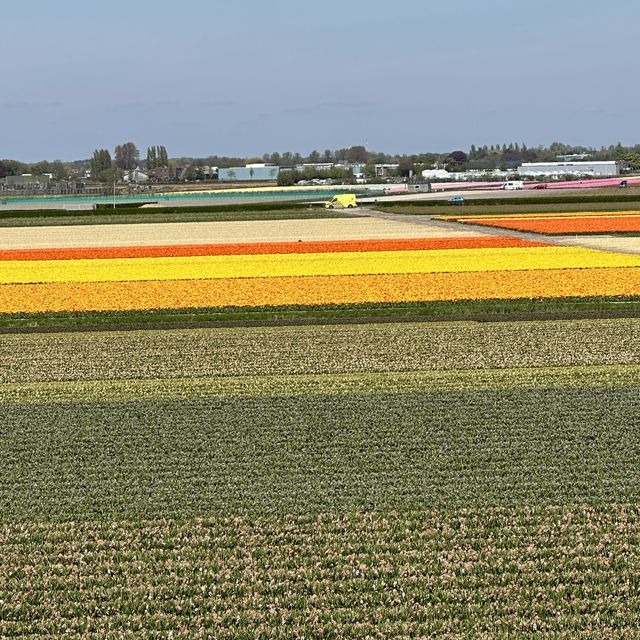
x=58 y=169
x=126 y=158
x=106 y=167
x=338 y=174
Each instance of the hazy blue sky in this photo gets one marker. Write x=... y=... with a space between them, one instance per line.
x=244 y=77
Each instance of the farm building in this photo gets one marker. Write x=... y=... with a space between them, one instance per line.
x=26 y=181
x=599 y=168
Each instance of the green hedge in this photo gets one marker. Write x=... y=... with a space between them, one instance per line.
x=110 y=211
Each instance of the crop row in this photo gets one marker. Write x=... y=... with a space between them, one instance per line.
x=310 y=264
x=365 y=348
x=324 y=452
x=260 y=248
x=235 y=293
x=553 y=572
x=318 y=384
x=560 y=225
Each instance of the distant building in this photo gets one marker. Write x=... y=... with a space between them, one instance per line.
x=253 y=173
x=436 y=174
x=314 y=166
x=136 y=175
x=383 y=170
x=161 y=174
x=570 y=157
x=26 y=181
x=357 y=168
x=595 y=168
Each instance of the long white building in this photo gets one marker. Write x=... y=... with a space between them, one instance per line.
x=596 y=168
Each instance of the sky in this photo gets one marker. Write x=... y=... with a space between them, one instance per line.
x=247 y=77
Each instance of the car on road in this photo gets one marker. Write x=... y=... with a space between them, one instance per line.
x=623 y=184
x=542 y=185
x=456 y=200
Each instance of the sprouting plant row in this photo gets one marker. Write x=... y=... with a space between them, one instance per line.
x=318 y=384
x=312 y=453
x=317 y=350
x=556 y=572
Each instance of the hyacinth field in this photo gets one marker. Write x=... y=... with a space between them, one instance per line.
x=450 y=479
x=460 y=480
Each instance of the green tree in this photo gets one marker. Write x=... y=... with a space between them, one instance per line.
x=127 y=156
x=634 y=160
x=60 y=170
x=100 y=163
x=370 y=171
x=357 y=154
x=287 y=178
x=12 y=168
x=110 y=175
x=40 y=168
x=152 y=158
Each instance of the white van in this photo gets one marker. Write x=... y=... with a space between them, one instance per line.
x=513 y=185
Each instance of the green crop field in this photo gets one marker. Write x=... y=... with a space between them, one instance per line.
x=462 y=480
x=51 y=218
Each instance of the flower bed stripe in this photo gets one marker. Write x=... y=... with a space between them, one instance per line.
x=314 y=290
x=325 y=264
x=536 y=216
x=561 y=226
x=330 y=246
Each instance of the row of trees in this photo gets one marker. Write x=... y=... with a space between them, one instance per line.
x=157 y=157
x=58 y=169
x=127 y=158
x=288 y=178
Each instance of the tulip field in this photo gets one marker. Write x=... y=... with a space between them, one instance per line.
x=356 y=479
x=627 y=222
x=310 y=273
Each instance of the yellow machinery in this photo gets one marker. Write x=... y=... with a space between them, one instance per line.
x=344 y=201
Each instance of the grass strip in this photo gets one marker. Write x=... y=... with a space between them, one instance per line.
x=437 y=311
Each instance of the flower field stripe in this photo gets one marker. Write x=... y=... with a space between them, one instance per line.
x=314 y=290
x=565 y=225
x=258 y=248
x=538 y=216
x=298 y=265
